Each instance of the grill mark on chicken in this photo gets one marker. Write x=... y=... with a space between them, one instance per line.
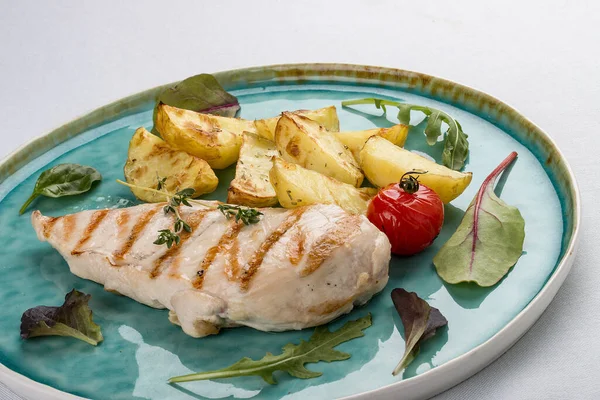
x=122 y=221
x=224 y=243
x=49 y=225
x=232 y=266
x=335 y=237
x=193 y=220
x=329 y=306
x=258 y=256
x=69 y=225
x=173 y=268
x=295 y=247
x=135 y=233
x=95 y=221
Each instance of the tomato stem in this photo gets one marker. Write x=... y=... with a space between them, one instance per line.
x=410 y=183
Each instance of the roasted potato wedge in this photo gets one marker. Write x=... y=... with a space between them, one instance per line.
x=210 y=137
x=150 y=157
x=296 y=186
x=355 y=140
x=327 y=117
x=303 y=141
x=384 y=163
x=251 y=186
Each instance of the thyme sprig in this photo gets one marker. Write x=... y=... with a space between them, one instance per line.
x=166 y=236
x=169 y=237
x=179 y=198
x=162 y=182
x=245 y=214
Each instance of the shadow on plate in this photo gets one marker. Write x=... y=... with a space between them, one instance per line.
x=380 y=120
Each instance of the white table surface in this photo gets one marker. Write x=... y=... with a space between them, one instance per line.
x=61 y=59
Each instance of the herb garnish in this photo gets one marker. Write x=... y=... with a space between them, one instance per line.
x=162 y=182
x=179 y=198
x=63 y=180
x=166 y=236
x=246 y=215
x=320 y=347
x=456 y=145
x=488 y=241
x=73 y=318
x=169 y=237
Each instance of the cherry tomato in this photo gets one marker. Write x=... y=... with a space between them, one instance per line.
x=410 y=214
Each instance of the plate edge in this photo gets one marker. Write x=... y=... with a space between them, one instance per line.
x=480 y=356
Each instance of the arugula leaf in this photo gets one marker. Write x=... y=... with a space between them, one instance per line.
x=456 y=148
x=73 y=318
x=420 y=321
x=318 y=348
x=456 y=145
x=200 y=93
x=63 y=180
x=488 y=241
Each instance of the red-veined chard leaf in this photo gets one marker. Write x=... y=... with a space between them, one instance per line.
x=320 y=347
x=488 y=241
x=73 y=318
x=456 y=145
x=420 y=322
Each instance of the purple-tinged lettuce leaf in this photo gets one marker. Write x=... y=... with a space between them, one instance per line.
x=73 y=318
x=420 y=321
x=201 y=93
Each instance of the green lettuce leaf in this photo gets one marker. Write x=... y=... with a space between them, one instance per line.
x=320 y=347
x=420 y=321
x=73 y=318
x=456 y=145
x=488 y=241
x=63 y=180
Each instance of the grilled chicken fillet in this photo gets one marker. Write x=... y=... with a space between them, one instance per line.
x=293 y=269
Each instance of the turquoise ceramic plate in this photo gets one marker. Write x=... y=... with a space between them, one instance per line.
x=142 y=349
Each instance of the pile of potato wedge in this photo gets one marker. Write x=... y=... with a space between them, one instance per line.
x=297 y=158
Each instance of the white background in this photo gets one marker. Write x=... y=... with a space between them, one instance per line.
x=60 y=59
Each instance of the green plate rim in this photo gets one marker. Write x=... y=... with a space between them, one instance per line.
x=472 y=100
